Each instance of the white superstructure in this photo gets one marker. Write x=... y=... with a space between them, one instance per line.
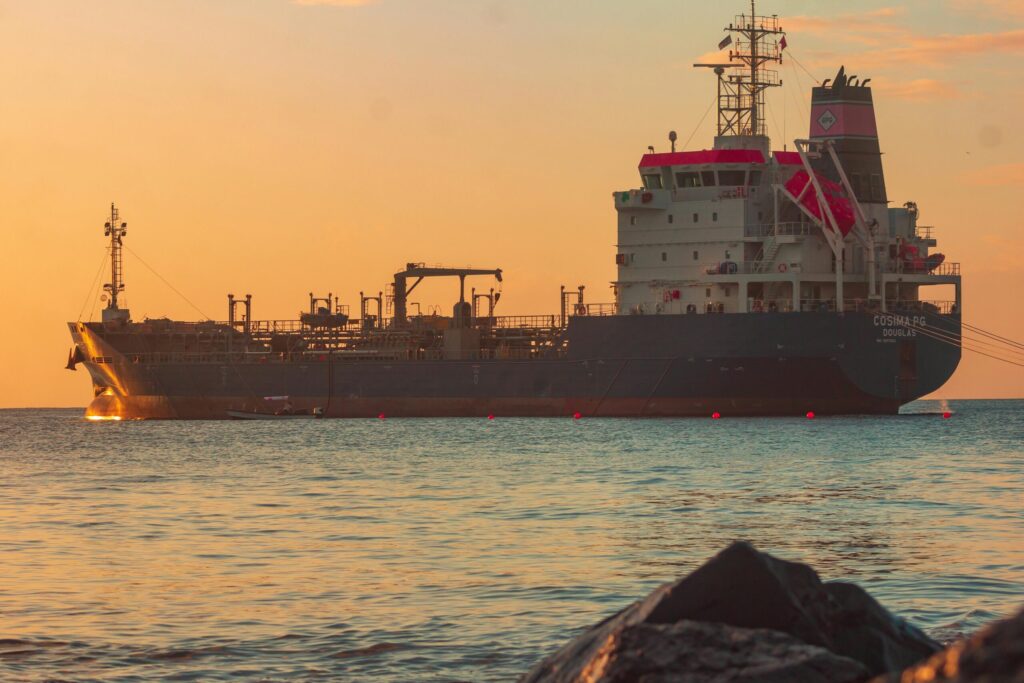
x=742 y=229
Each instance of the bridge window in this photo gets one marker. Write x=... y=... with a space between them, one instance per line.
x=696 y=217
x=755 y=177
x=736 y=178
x=632 y=220
x=696 y=255
x=671 y=218
x=714 y=216
x=708 y=178
x=652 y=181
x=876 y=187
x=686 y=180
x=664 y=256
x=857 y=183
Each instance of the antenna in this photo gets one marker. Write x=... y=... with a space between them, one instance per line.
x=672 y=137
x=741 y=102
x=115 y=230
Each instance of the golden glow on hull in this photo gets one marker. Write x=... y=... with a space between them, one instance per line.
x=103 y=418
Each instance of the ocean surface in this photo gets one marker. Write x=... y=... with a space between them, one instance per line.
x=466 y=550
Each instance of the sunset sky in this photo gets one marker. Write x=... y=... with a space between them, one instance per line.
x=275 y=147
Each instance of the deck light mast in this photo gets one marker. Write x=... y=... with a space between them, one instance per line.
x=115 y=230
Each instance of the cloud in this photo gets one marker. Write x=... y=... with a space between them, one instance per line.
x=998 y=8
x=917 y=89
x=333 y=3
x=1000 y=175
x=871 y=28
x=878 y=42
x=714 y=57
x=939 y=50
x=895 y=44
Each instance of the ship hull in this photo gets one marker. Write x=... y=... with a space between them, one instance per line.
x=619 y=366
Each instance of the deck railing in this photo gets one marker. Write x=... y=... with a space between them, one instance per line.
x=892 y=267
x=769 y=229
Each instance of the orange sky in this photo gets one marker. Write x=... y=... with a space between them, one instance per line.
x=273 y=147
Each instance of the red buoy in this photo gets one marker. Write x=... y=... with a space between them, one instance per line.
x=381 y=416
x=810 y=415
x=490 y=417
x=577 y=416
x=716 y=416
x=946 y=416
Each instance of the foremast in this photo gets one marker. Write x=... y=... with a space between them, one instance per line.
x=115 y=229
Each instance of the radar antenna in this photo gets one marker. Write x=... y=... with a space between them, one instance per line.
x=115 y=230
x=741 y=103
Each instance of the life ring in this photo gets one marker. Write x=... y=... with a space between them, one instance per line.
x=581 y=309
x=783 y=267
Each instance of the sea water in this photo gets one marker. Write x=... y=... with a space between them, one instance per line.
x=444 y=550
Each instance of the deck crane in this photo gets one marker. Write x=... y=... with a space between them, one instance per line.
x=421 y=271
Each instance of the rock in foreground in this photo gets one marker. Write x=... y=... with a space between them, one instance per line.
x=695 y=651
x=993 y=655
x=847 y=631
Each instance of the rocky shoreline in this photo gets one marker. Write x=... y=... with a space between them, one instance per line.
x=745 y=616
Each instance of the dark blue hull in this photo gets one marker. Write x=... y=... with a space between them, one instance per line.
x=668 y=365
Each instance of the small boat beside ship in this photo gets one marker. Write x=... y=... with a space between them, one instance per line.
x=276 y=408
x=244 y=415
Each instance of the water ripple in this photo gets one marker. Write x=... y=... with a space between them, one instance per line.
x=443 y=550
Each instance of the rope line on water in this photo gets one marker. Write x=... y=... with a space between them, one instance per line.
x=943 y=340
x=1003 y=344
x=961 y=338
x=992 y=335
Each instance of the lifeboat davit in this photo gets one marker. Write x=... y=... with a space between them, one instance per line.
x=842 y=208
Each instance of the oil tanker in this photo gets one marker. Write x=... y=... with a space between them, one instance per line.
x=749 y=282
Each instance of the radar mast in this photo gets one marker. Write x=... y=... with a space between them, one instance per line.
x=759 y=41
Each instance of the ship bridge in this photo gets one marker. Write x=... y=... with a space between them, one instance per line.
x=742 y=229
